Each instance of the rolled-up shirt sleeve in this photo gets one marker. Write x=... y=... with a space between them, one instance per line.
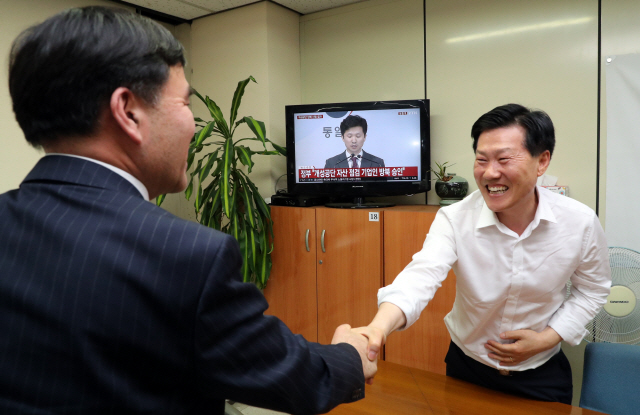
x=590 y=286
x=416 y=285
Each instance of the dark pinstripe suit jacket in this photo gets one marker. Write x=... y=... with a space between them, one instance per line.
x=109 y=304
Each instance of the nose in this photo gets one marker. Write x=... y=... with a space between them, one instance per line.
x=492 y=171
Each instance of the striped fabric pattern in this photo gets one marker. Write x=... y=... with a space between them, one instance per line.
x=111 y=305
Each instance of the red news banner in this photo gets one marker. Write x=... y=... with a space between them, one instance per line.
x=348 y=174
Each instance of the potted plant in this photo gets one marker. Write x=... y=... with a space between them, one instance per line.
x=449 y=187
x=225 y=197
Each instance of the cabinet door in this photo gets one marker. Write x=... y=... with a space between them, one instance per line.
x=349 y=268
x=425 y=344
x=291 y=289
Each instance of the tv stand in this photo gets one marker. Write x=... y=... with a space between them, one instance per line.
x=359 y=203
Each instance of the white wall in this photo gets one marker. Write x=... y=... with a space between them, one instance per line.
x=17 y=157
x=366 y=51
x=546 y=59
x=620 y=34
x=260 y=40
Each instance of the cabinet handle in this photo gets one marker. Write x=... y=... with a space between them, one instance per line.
x=322 y=241
x=306 y=240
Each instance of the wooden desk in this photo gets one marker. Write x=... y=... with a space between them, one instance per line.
x=399 y=390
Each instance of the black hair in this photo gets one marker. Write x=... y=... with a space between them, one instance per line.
x=353 y=121
x=540 y=135
x=63 y=71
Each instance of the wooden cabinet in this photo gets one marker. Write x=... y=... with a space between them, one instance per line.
x=336 y=279
x=423 y=345
x=349 y=271
x=291 y=289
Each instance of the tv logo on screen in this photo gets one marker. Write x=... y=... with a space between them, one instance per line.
x=407 y=112
x=309 y=117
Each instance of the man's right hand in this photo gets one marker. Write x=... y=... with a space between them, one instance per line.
x=377 y=339
x=388 y=319
x=344 y=334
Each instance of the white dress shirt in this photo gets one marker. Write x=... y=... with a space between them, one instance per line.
x=508 y=282
x=127 y=176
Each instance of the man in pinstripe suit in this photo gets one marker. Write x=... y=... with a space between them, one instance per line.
x=109 y=304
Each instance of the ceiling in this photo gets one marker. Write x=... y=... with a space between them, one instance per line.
x=186 y=10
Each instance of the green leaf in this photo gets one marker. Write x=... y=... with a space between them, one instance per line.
x=247 y=199
x=262 y=263
x=198 y=195
x=244 y=155
x=262 y=206
x=251 y=241
x=227 y=165
x=279 y=149
x=216 y=113
x=237 y=98
x=196 y=93
x=267 y=153
x=204 y=213
x=215 y=217
x=213 y=157
x=160 y=199
x=234 y=225
x=203 y=134
x=189 y=190
x=257 y=127
x=245 y=250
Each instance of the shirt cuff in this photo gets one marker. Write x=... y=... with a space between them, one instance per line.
x=571 y=332
x=390 y=295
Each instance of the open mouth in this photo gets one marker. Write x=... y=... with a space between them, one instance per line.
x=497 y=190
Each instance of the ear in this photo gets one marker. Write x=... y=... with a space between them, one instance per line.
x=129 y=112
x=543 y=162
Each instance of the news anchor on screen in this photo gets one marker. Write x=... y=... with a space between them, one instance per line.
x=354 y=133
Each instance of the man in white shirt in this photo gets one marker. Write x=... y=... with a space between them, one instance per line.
x=513 y=247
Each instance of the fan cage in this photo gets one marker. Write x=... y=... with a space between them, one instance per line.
x=625 y=271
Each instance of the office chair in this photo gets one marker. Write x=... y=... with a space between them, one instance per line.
x=611 y=378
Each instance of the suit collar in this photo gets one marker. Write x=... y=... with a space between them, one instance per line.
x=73 y=170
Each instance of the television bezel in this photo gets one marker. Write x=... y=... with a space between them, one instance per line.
x=374 y=188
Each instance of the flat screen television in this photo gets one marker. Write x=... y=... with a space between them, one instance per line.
x=392 y=156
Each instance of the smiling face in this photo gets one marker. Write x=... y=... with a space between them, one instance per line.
x=354 y=139
x=506 y=172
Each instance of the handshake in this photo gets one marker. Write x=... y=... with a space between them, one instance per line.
x=368 y=341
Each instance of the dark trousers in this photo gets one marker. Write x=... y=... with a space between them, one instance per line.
x=550 y=382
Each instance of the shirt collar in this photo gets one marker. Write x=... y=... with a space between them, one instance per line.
x=349 y=154
x=543 y=212
x=127 y=176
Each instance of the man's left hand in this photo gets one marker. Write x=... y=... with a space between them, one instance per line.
x=527 y=343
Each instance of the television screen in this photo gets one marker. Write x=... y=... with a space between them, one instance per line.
x=359 y=149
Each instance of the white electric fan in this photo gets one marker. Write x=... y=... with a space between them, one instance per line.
x=619 y=320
